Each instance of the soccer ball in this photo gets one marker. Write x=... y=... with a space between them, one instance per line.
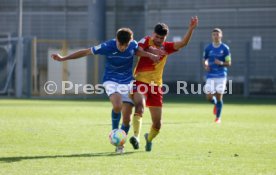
x=117 y=137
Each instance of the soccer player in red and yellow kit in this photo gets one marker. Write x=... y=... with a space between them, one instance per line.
x=147 y=89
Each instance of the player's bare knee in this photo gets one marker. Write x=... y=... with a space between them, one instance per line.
x=209 y=97
x=117 y=108
x=139 y=108
x=219 y=97
x=126 y=122
x=157 y=125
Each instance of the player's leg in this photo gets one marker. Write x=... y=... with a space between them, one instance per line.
x=213 y=100
x=220 y=88
x=126 y=111
x=116 y=101
x=209 y=89
x=219 y=106
x=117 y=104
x=156 y=115
x=154 y=102
x=139 y=103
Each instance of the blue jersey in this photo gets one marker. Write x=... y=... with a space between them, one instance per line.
x=221 y=53
x=118 y=66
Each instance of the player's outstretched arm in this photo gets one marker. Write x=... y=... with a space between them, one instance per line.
x=142 y=53
x=185 y=40
x=75 y=55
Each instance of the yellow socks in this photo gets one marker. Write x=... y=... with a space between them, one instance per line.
x=152 y=134
x=137 y=124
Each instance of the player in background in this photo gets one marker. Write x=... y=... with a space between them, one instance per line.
x=119 y=54
x=216 y=59
x=148 y=75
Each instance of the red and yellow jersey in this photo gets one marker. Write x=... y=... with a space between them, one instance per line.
x=146 y=70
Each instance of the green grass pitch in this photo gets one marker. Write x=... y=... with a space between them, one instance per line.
x=59 y=137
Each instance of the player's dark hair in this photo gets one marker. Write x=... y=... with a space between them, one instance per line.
x=124 y=35
x=217 y=30
x=161 y=29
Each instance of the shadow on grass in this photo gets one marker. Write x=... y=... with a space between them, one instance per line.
x=17 y=159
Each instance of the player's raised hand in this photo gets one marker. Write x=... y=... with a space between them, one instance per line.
x=194 y=22
x=57 y=57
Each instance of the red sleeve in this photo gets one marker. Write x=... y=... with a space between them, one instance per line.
x=144 y=42
x=169 y=47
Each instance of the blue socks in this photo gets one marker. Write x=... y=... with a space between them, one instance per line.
x=125 y=128
x=116 y=117
x=219 y=108
x=219 y=105
x=214 y=100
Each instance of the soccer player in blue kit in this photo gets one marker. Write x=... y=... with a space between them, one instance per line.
x=217 y=58
x=119 y=54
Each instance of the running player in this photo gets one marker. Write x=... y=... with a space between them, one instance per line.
x=119 y=54
x=216 y=59
x=147 y=89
